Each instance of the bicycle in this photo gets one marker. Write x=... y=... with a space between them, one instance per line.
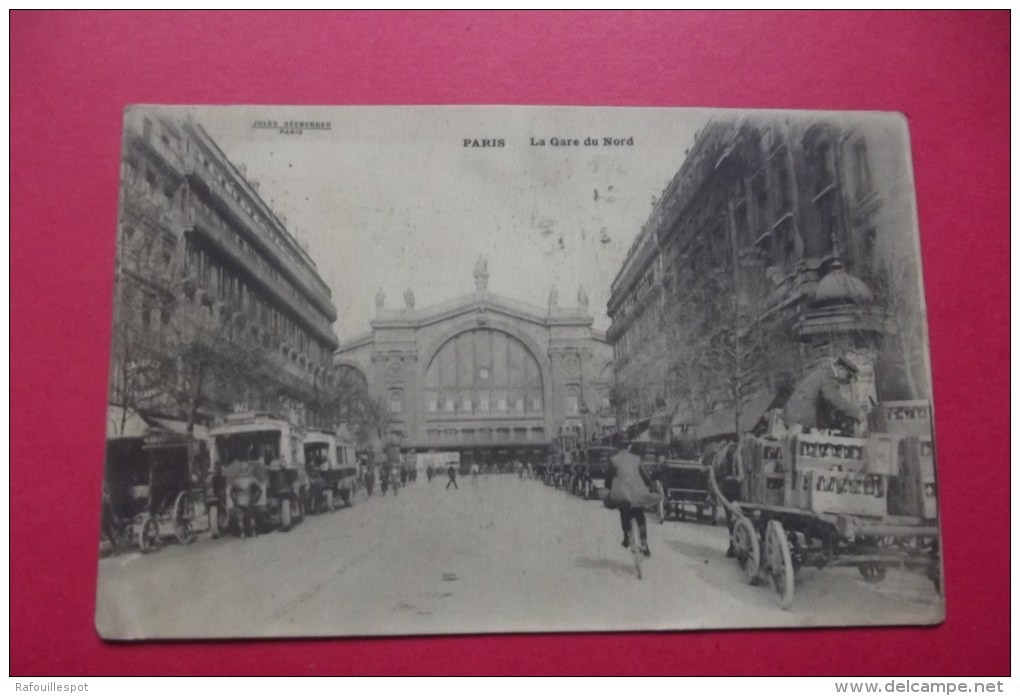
x=635 y=546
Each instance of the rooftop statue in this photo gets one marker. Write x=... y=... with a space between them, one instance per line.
x=481 y=273
x=582 y=298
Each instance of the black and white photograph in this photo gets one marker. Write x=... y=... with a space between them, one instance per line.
x=457 y=370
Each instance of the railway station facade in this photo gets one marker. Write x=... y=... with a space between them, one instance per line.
x=486 y=376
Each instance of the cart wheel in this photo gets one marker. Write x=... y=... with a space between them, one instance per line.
x=148 y=535
x=183 y=531
x=748 y=549
x=121 y=539
x=872 y=572
x=779 y=563
x=184 y=513
x=285 y=520
x=124 y=536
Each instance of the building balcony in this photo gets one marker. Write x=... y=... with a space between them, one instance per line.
x=140 y=205
x=204 y=326
x=169 y=159
x=304 y=278
x=197 y=223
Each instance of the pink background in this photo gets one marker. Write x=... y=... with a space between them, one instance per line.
x=72 y=75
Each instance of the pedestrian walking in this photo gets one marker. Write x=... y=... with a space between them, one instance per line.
x=474 y=474
x=429 y=472
x=384 y=481
x=452 y=473
x=369 y=482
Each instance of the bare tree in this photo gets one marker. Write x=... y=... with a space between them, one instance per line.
x=215 y=357
x=898 y=297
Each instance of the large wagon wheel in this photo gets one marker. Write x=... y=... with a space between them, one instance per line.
x=748 y=549
x=184 y=515
x=148 y=535
x=779 y=563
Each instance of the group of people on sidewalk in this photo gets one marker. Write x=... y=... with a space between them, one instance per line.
x=389 y=478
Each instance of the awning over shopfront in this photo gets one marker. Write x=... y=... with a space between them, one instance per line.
x=683 y=421
x=125 y=423
x=199 y=431
x=721 y=423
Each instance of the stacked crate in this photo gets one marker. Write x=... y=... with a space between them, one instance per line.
x=836 y=475
x=912 y=490
x=905 y=418
x=766 y=478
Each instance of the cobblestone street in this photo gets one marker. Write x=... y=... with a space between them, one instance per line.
x=502 y=555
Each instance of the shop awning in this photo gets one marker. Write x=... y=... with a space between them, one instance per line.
x=199 y=431
x=721 y=423
x=682 y=415
x=124 y=423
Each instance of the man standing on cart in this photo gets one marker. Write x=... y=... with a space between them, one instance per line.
x=816 y=401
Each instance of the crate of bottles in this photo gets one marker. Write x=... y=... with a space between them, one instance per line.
x=905 y=418
x=914 y=491
x=829 y=453
x=840 y=492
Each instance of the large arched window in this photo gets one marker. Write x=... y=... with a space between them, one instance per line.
x=573 y=400
x=481 y=373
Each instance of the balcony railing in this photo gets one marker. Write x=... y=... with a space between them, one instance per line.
x=171 y=159
x=197 y=222
x=202 y=327
x=313 y=286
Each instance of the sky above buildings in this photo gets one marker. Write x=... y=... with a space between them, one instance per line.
x=391 y=198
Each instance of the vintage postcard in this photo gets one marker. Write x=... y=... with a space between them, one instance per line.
x=432 y=370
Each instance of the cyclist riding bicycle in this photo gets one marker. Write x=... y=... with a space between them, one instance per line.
x=631 y=490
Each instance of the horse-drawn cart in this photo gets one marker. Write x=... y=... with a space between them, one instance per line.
x=686 y=490
x=149 y=492
x=818 y=500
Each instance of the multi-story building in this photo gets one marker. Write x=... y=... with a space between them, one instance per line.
x=780 y=240
x=487 y=376
x=217 y=306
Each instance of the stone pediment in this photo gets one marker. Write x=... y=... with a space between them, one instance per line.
x=480 y=302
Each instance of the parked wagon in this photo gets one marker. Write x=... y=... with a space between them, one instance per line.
x=686 y=491
x=149 y=492
x=322 y=468
x=819 y=500
x=594 y=470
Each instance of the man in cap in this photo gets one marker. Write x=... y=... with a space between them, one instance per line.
x=816 y=400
